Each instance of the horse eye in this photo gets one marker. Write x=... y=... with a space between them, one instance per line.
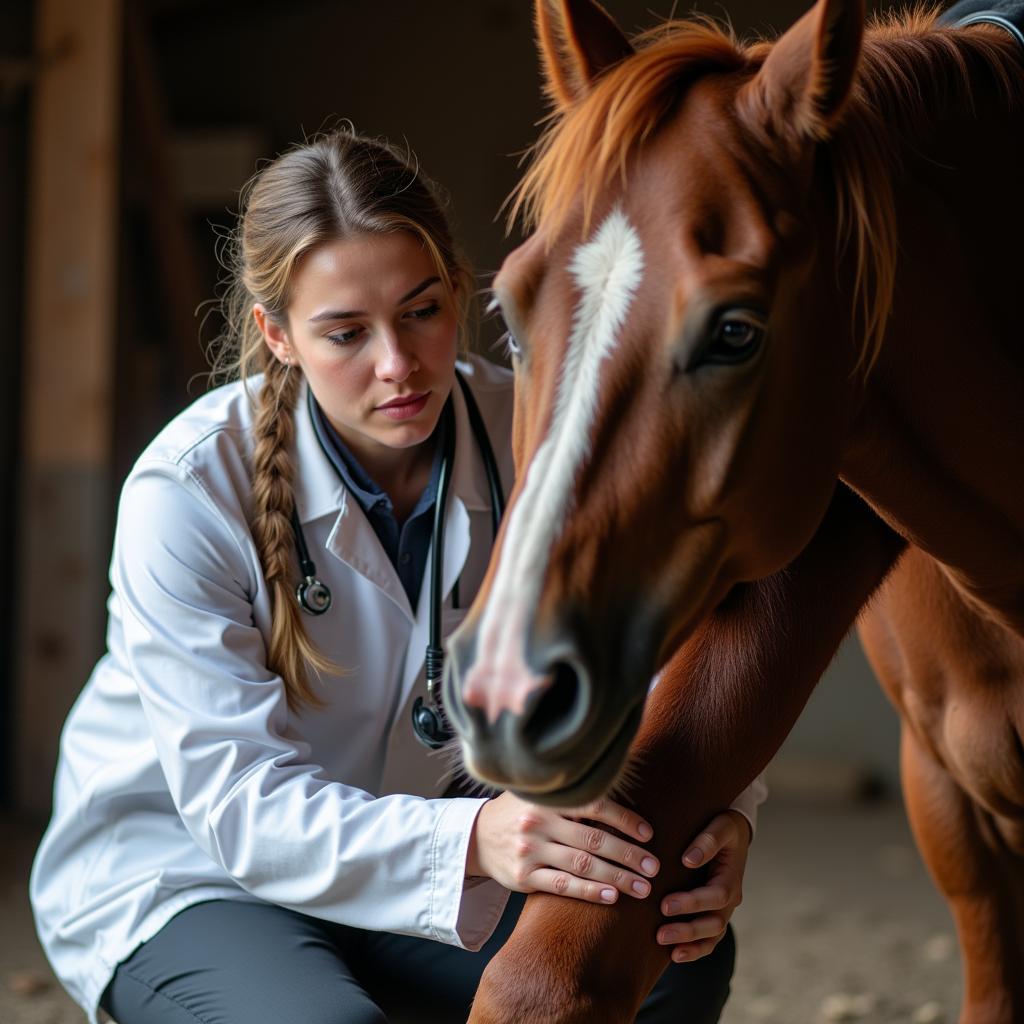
x=512 y=349
x=737 y=336
x=507 y=342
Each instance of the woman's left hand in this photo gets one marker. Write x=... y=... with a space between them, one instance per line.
x=723 y=847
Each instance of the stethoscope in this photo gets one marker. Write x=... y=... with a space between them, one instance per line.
x=950 y=17
x=314 y=596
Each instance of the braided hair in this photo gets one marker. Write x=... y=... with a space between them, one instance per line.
x=335 y=186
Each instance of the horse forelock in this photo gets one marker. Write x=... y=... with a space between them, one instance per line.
x=910 y=75
x=583 y=148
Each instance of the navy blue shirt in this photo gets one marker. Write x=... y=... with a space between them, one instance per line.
x=407 y=545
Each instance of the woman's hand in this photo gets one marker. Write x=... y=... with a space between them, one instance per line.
x=538 y=849
x=723 y=845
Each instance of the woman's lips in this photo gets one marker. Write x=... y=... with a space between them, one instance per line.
x=406 y=407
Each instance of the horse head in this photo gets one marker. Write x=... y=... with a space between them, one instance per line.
x=683 y=353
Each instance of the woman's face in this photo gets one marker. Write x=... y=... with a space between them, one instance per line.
x=375 y=333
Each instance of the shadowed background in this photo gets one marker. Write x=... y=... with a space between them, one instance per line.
x=126 y=130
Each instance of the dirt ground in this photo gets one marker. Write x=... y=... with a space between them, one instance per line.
x=840 y=923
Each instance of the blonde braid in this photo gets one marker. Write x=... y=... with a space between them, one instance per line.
x=291 y=650
x=336 y=186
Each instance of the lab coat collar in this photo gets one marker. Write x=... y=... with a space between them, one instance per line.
x=320 y=492
x=318 y=488
x=354 y=541
x=469 y=480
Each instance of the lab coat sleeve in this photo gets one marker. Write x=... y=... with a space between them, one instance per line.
x=750 y=799
x=241 y=780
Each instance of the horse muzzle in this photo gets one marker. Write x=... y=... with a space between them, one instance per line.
x=544 y=725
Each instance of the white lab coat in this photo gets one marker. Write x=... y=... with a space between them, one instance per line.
x=182 y=775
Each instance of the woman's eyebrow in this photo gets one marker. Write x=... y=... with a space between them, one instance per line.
x=335 y=314
x=419 y=288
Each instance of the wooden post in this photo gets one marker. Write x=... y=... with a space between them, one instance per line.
x=173 y=250
x=69 y=338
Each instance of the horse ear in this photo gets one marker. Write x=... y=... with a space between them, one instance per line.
x=806 y=78
x=578 y=40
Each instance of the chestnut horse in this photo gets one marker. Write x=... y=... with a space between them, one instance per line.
x=769 y=363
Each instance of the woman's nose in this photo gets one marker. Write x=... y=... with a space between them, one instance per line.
x=395 y=360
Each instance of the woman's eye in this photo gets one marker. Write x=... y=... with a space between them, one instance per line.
x=425 y=312
x=344 y=337
x=737 y=336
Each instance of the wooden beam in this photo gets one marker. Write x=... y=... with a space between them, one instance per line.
x=174 y=250
x=70 y=326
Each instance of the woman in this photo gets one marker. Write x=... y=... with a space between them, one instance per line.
x=245 y=827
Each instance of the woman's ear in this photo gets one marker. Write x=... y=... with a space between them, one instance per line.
x=273 y=334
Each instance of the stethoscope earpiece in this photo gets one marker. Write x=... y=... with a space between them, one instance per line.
x=314 y=597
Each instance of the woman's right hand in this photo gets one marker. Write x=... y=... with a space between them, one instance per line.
x=530 y=848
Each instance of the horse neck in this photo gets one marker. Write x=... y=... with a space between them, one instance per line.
x=940 y=428
x=731 y=694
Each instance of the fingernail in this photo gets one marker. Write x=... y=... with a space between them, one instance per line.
x=608 y=895
x=680 y=955
x=641 y=888
x=649 y=866
x=670 y=908
x=693 y=857
x=645 y=830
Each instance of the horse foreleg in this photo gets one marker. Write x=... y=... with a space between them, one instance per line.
x=560 y=966
x=721 y=710
x=982 y=881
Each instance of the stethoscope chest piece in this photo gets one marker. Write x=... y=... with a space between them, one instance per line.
x=428 y=721
x=313 y=596
x=429 y=725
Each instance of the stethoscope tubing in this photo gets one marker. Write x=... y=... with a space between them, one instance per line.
x=434 y=667
x=314 y=597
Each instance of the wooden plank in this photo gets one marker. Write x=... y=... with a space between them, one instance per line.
x=16 y=36
x=68 y=373
x=174 y=251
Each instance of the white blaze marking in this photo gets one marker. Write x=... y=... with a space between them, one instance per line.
x=607 y=270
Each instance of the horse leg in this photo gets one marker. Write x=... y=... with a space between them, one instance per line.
x=981 y=879
x=948 y=672
x=721 y=710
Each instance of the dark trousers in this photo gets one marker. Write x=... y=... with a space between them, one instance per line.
x=229 y=962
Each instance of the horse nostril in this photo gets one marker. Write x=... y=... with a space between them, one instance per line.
x=559 y=711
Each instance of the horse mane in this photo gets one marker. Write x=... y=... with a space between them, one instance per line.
x=584 y=146
x=910 y=75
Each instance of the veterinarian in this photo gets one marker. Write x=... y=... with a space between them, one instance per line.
x=246 y=827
